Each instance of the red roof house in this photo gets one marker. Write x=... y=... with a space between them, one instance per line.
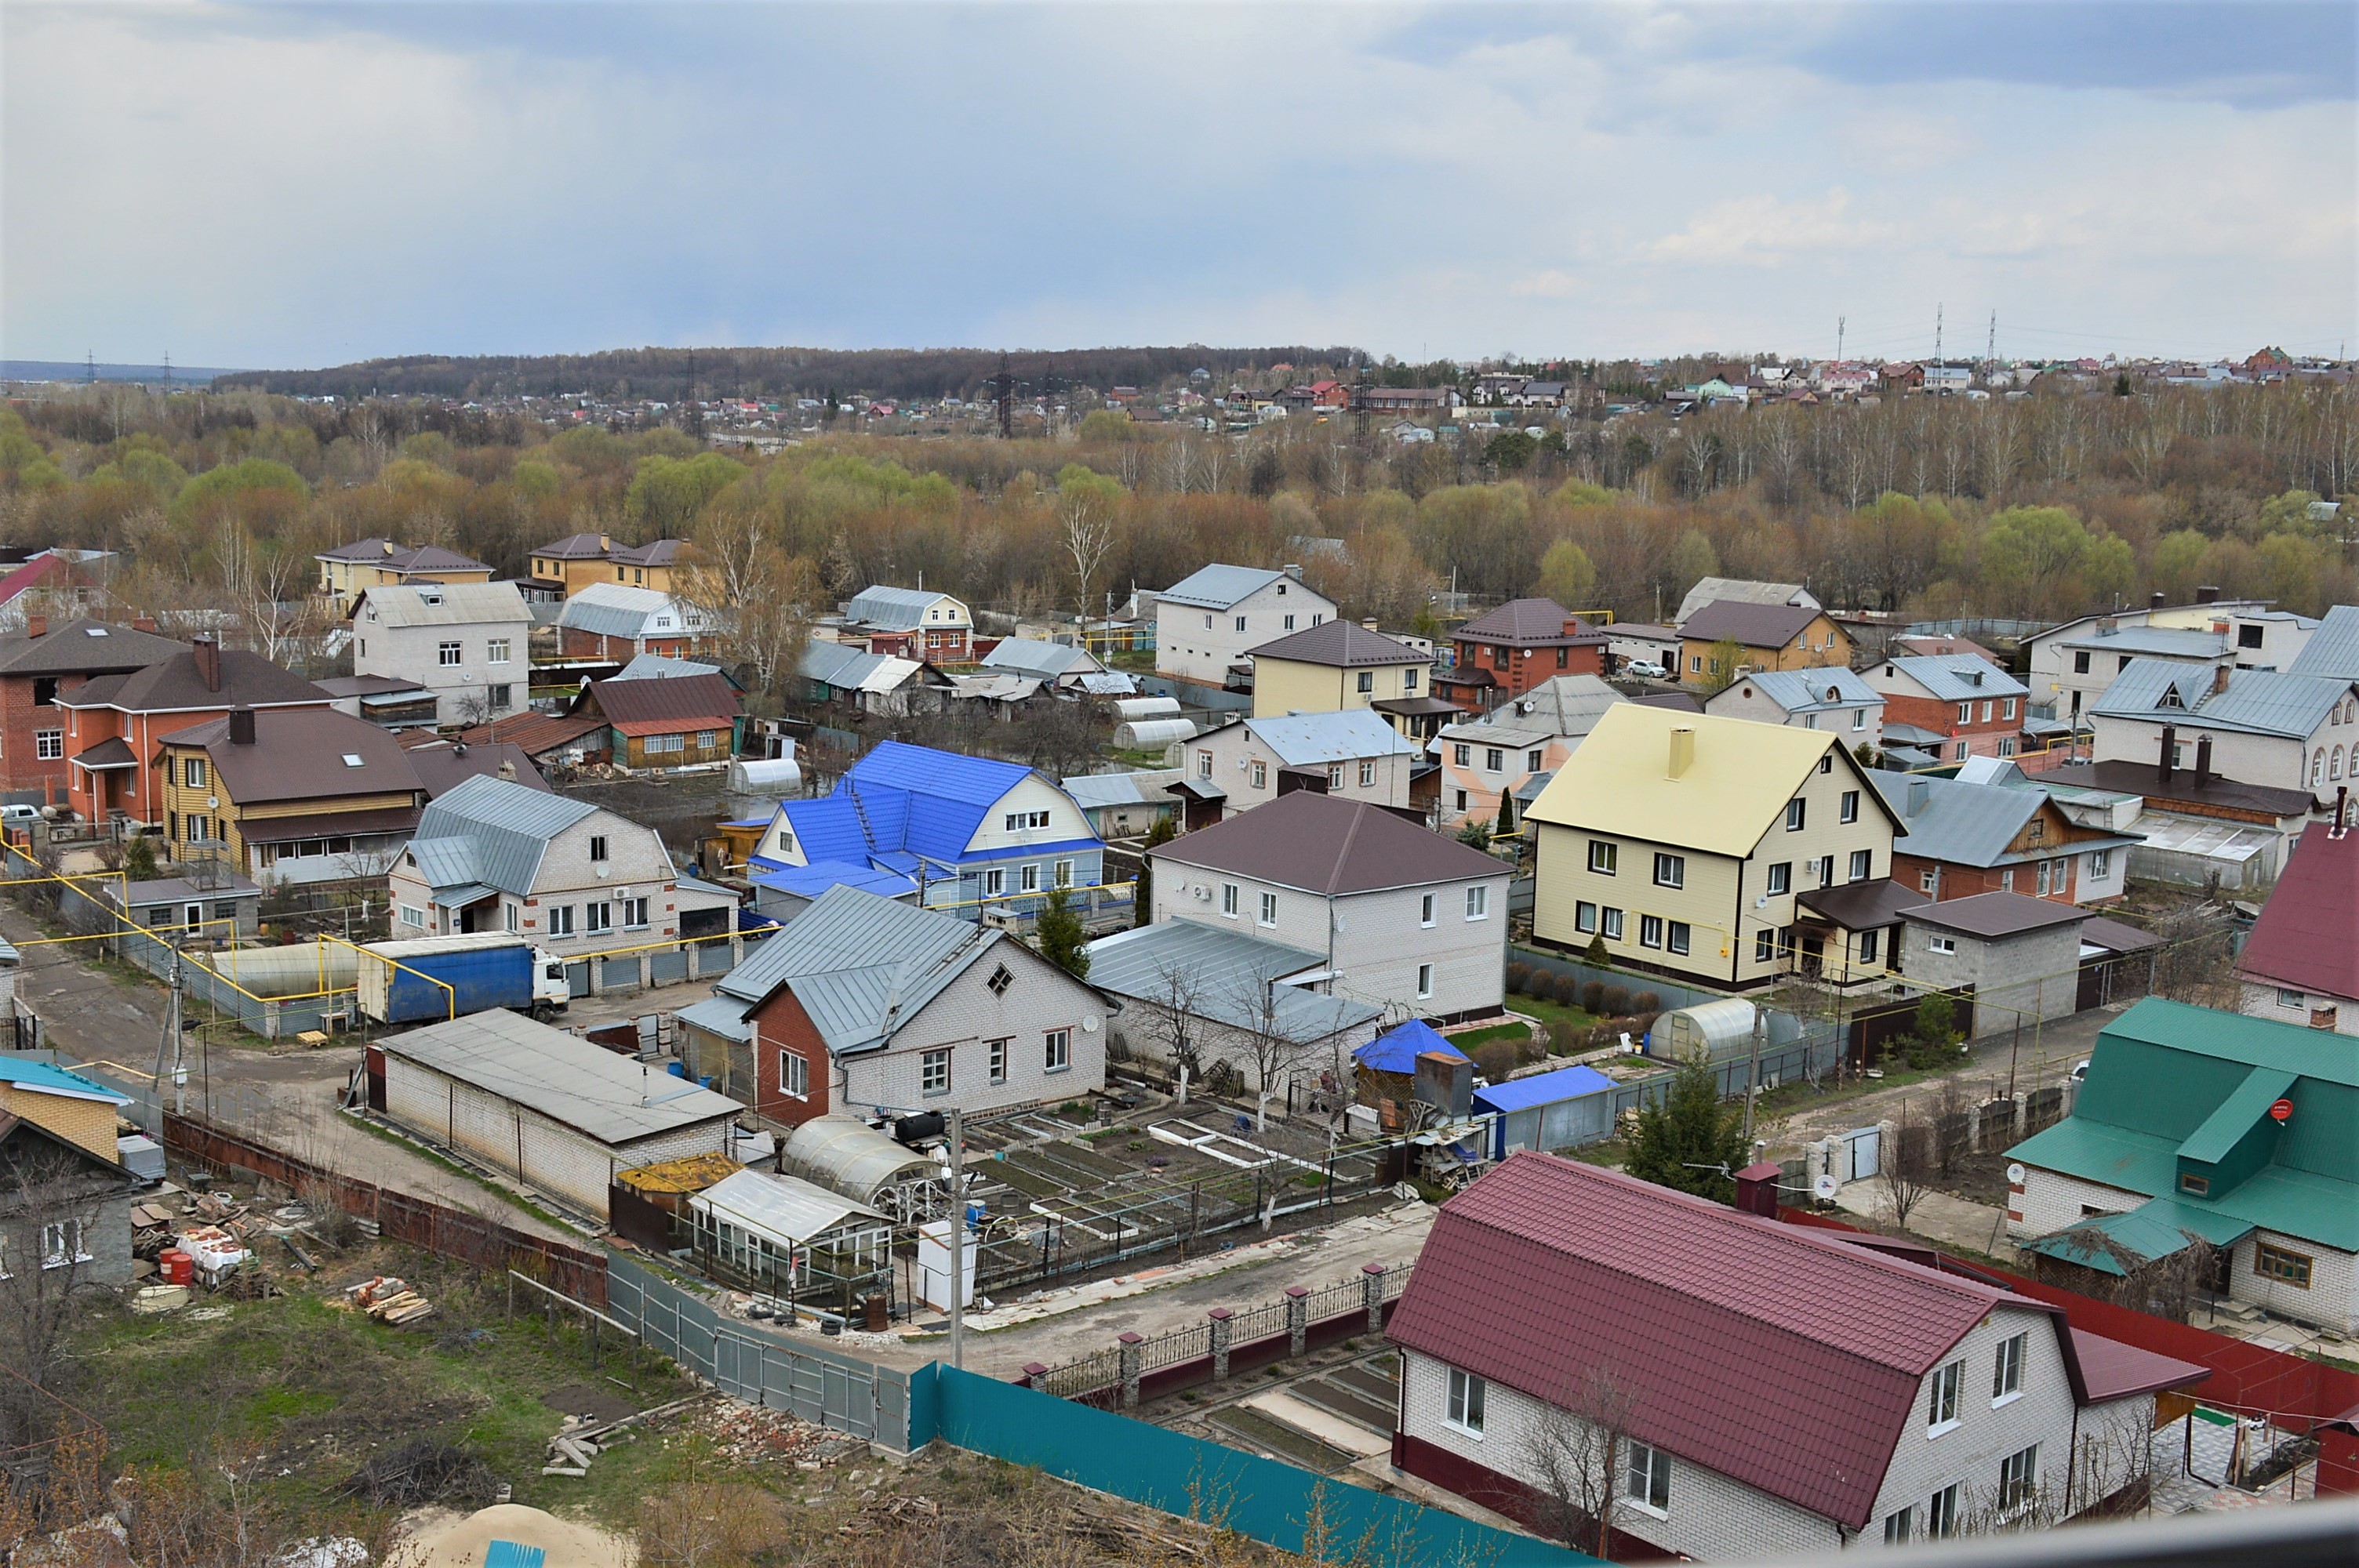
x=2301 y=962
x=1781 y=1389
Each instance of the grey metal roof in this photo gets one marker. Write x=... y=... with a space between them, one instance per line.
x=1217 y=587
x=1811 y=691
x=617 y=609
x=506 y=826
x=1966 y=824
x=1092 y=792
x=1561 y=705
x=1315 y=739
x=1713 y=589
x=662 y=666
x=1951 y=677
x=894 y=609
x=2333 y=648
x=2167 y=642
x=786 y=1208
x=444 y=604
x=1224 y=973
x=1043 y=661
x=2257 y=702
x=848 y=668
x=609 y=1098
x=720 y=1015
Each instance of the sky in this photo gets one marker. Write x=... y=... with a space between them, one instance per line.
x=288 y=185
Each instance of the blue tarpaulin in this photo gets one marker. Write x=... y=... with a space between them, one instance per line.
x=1396 y=1050
x=1542 y=1088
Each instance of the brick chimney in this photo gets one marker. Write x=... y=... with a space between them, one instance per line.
x=207 y=650
x=240 y=726
x=142 y=624
x=2208 y=593
x=2169 y=743
x=2220 y=681
x=36 y=625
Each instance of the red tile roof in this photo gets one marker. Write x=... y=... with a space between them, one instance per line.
x=2304 y=939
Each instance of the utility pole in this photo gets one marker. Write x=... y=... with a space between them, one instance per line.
x=957 y=1238
x=1937 y=334
x=1753 y=1068
x=1840 y=322
x=1990 y=349
x=171 y=1037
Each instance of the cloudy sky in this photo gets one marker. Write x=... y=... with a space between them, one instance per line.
x=282 y=185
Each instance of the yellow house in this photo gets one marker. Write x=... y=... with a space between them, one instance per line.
x=301 y=794
x=1768 y=637
x=567 y=566
x=1682 y=840
x=1339 y=665
x=349 y=570
x=81 y=1110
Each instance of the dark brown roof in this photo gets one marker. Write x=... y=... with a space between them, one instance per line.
x=1344 y=643
x=2146 y=779
x=1991 y=915
x=328 y=825
x=574 y=548
x=2116 y=936
x=661 y=553
x=1325 y=843
x=682 y=698
x=402 y=557
x=1859 y=906
x=1676 y=701
x=1750 y=625
x=2308 y=936
x=366 y=685
x=442 y=765
x=2113 y=1370
x=172 y=684
x=115 y=752
x=84 y=647
x=539 y=734
x=299 y=754
x=1528 y=623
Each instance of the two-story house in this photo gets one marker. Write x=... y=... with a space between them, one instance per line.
x=2258 y=726
x=1680 y=840
x=115 y=724
x=1966 y=707
x=37 y=663
x=2301 y=964
x=1206 y=621
x=613 y=621
x=949 y=831
x=1515 y=742
x=565 y=567
x=1766 y=637
x=1965 y=837
x=1741 y=1388
x=289 y=794
x=1505 y=653
x=1408 y=921
x=464 y=642
x=1742 y=590
x=1248 y=762
x=349 y=570
x=868 y=1006
x=2071 y=664
x=1825 y=698
x=1338 y=666
x=494 y=855
x=910 y=623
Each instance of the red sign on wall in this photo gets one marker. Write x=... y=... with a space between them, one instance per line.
x=2282 y=1110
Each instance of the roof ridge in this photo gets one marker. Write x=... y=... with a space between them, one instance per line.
x=1343 y=851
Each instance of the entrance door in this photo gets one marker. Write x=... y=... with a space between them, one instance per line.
x=193 y=915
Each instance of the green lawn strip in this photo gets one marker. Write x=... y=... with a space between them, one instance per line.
x=1563 y=1022
x=1473 y=1037
x=504 y=1194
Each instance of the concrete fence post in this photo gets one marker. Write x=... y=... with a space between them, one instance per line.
x=1130 y=1343
x=1298 y=1318
x=1372 y=1291
x=1033 y=1372
x=646 y=971
x=1221 y=1329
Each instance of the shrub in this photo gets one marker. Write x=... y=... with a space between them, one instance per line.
x=1646 y=1002
x=1596 y=953
x=1592 y=997
x=1617 y=1000
x=1519 y=975
x=1568 y=991
x=1496 y=1058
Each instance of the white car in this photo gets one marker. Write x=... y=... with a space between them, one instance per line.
x=18 y=816
x=1643 y=670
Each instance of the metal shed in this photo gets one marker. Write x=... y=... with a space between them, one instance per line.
x=1549 y=1110
x=847 y=1156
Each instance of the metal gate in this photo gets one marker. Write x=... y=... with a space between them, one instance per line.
x=577 y=978
x=1857 y=1161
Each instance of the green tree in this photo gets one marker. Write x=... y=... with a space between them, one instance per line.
x=1691 y=560
x=1596 y=954
x=2032 y=556
x=1109 y=425
x=1505 y=823
x=1580 y=493
x=1567 y=575
x=1719 y=664
x=1474 y=833
x=1059 y=935
x=1510 y=451
x=2290 y=513
x=668 y=493
x=1143 y=898
x=2178 y=563
x=1688 y=1129
x=231 y=484
x=139 y=858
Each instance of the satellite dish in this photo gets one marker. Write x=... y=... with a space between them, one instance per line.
x=2015 y=1174
x=1825 y=1188
x=1089 y=1023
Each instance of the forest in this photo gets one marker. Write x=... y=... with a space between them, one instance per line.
x=2043 y=507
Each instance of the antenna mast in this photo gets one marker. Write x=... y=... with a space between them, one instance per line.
x=1990 y=350
x=1937 y=334
x=1841 y=322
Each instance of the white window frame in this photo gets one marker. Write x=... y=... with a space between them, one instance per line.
x=1798 y=814
x=794 y=1075
x=48 y=745
x=1478 y=902
x=1367 y=775
x=634 y=914
x=1584 y=917
x=495 y=651
x=2299 y=1000
x=994 y=882
x=1942 y=1513
x=1057 y=1050
x=1604 y=857
x=64 y=1242
x=1651 y=931
x=1679 y=937
x=1424 y=982
x=1670 y=870
x=1646 y=1476
x=1862 y=865
x=411 y=916
x=1781 y=878
x=998 y=1049
x=1935 y=944
x=597 y=918
x=1848 y=810
x=1269 y=913
x=1258 y=775
x=2018 y=1481
x=1943 y=1386
x=449 y=655
x=2007 y=1369
x=1425 y=911
x=1900 y=1525
x=1610 y=923
x=1229 y=900
x=1462 y=1403
x=560 y=920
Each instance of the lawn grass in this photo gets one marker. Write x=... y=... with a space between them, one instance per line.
x=1564 y=1024
x=1473 y=1037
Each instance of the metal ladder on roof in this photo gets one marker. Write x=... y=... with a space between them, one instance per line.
x=867 y=829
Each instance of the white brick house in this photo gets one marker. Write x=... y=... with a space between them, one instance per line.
x=1206 y=621
x=1353 y=755
x=464 y=642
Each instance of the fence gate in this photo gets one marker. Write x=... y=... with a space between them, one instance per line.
x=1858 y=1160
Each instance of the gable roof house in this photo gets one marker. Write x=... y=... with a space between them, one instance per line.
x=1248 y=762
x=1681 y=841
x=2071 y=664
x=1766 y=636
x=1206 y=621
x=674 y=722
x=565 y=567
x=1788 y=1392
x=1505 y=653
x=1516 y=742
x=1409 y=920
x=1824 y=698
x=2301 y=962
x=1967 y=707
x=1965 y=838
x=289 y=794
x=612 y=620
x=65 y=1208
x=865 y=1004
x=115 y=723
x=870 y=682
x=1339 y=666
x=40 y=661
x=1741 y=590
x=349 y=570
x=2258 y=726
x=2174 y=1130
x=493 y=855
x=466 y=643
x=1058 y=664
x=948 y=831
x=911 y=622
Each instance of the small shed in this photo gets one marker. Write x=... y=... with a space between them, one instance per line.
x=1549 y=1110
x=546 y=1108
x=647 y=1202
x=211 y=902
x=851 y=1159
x=2017 y=957
x=786 y=1237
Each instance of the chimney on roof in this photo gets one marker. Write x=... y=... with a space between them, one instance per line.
x=605 y=542
x=2170 y=746
x=1293 y=569
x=207 y=649
x=1683 y=749
x=2202 y=761
x=1370 y=623
x=240 y=726
x=385 y=546
x=2341 y=797
x=2208 y=593
x=507 y=768
x=142 y=624
x=2220 y=681
x=36 y=625
x=2157 y=600
x=2324 y=1017
x=1919 y=794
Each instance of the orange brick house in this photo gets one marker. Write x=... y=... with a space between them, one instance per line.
x=39 y=664
x=1975 y=706
x=1503 y=653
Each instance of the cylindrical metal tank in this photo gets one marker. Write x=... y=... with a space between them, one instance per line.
x=846 y=1156
x=1713 y=1028
x=777 y=776
x=298 y=969
x=1129 y=709
x=1145 y=732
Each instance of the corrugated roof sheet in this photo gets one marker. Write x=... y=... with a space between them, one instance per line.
x=610 y=1098
x=2334 y=649
x=1315 y=739
x=1966 y=824
x=1326 y=844
x=1225 y=975
x=1218 y=586
x=1532 y=623
x=786 y=1208
x=1561 y=705
x=1344 y=645
x=44 y=1077
x=893 y=609
x=1952 y=677
x=1042 y=661
x=1812 y=691
x=1148 y=786
x=507 y=827
x=2168 y=642
x=663 y=666
x=2258 y=702
x=617 y=609
x=685 y=701
x=848 y=668
x=2308 y=936
x=1714 y=589
x=442 y=604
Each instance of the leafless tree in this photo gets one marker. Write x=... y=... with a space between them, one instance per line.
x=1086 y=516
x=1575 y=1450
x=1904 y=1163
x=1172 y=1019
x=761 y=598
x=51 y=1203
x=1272 y=1048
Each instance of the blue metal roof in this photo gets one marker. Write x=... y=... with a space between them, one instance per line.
x=1542 y=1088
x=41 y=1078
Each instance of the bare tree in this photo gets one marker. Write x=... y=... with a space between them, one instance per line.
x=1171 y=1019
x=1904 y=1164
x=51 y=1203
x=1575 y=1451
x=759 y=597
x=1087 y=514
x=1268 y=1041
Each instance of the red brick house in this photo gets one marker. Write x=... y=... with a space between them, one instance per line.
x=1964 y=838
x=1974 y=706
x=36 y=665
x=1504 y=654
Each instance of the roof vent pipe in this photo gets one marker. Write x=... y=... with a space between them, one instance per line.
x=1919 y=794
x=1683 y=749
x=240 y=726
x=2202 y=761
x=2169 y=748
x=2341 y=797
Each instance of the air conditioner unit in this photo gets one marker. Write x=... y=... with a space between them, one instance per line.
x=1204 y=894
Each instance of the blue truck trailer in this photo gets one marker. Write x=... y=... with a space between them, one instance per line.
x=405 y=982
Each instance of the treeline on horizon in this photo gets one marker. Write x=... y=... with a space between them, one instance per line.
x=2042 y=508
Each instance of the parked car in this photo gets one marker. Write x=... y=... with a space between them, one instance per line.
x=1646 y=671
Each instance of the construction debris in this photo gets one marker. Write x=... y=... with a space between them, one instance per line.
x=755 y=1434
x=579 y=1442
x=892 y=1512
x=419 y=1473
x=389 y=1300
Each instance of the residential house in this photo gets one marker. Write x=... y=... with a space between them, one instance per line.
x=2177 y=1123
x=2257 y=727
x=349 y=571
x=1776 y=1391
x=872 y=683
x=867 y=1006
x=2071 y=664
x=1639 y=643
x=210 y=902
x=1057 y=665
x=2333 y=648
x=1766 y=637
x=1965 y=838
x=612 y=620
x=910 y=623
x=954 y=832
x=2301 y=964
x=57 y=584
x=1353 y=754
x=442 y=765
x=1516 y=741
x=1937 y=646
x=2016 y=959
x=115 y=723
x=679 y=721
x=466 y=643
x=1827 y=698
x=2195 y=827
x=1125 y=805
x=389 y=702
x=495 y=855
x=565 y=567
x=37 y=663
x=1339 y=666
x=1409 y=920
x=1505 y=653
x=1741 y=590
x=559 y=740
x=79 y=1110
x=1680 y=840
x=288 y=794
x=65 y=1214
x=1206 y=622
x=1970 y=706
